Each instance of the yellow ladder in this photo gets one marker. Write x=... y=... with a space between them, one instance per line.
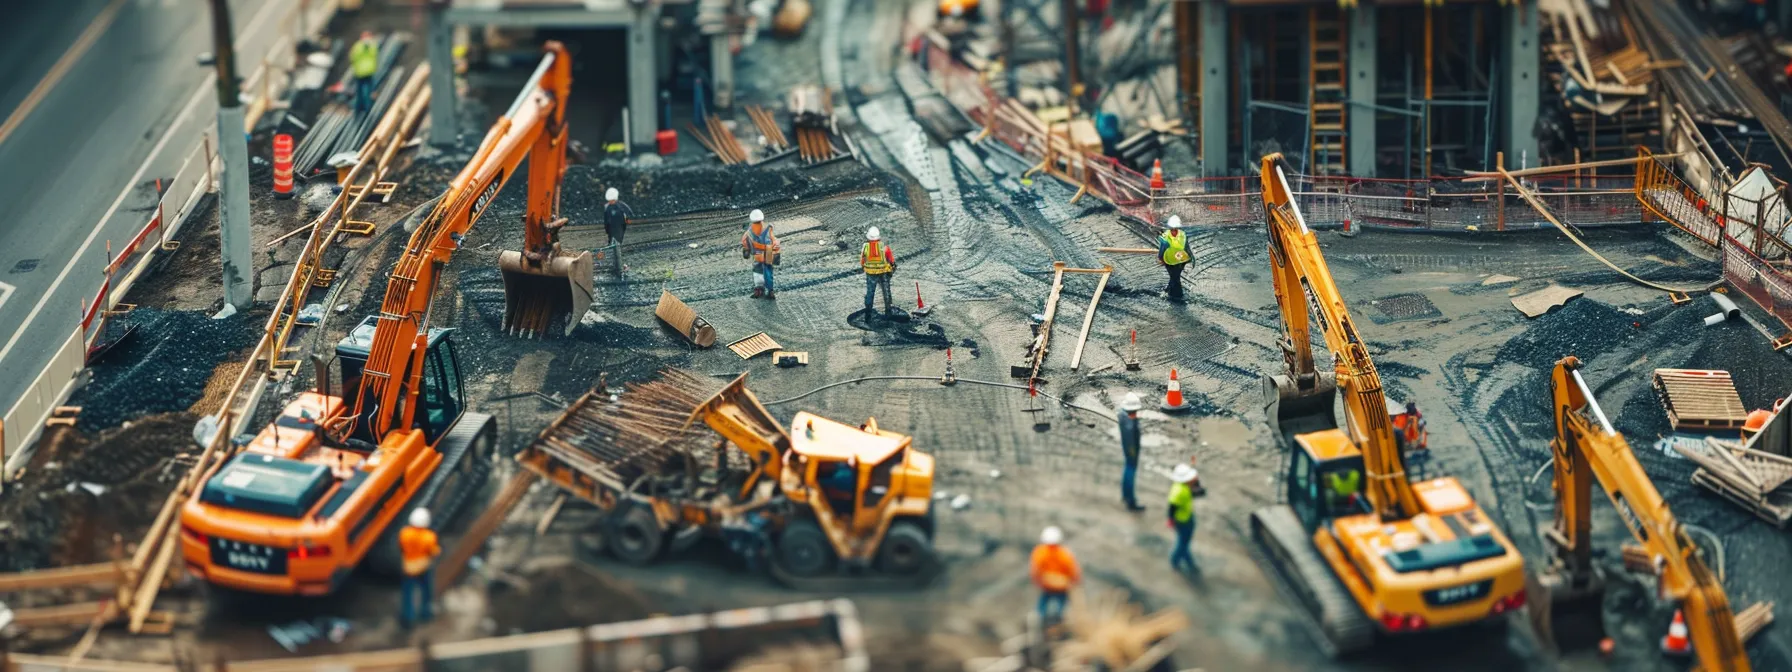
x=1326 y=94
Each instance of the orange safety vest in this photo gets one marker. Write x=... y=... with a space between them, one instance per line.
x=418 y=547
x=759 y=239
x=1054 y=568
x=876 y=258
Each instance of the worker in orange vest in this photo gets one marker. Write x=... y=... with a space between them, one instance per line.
x=761 y=246
x=1055 y=572
x=418 y=546
x=879 y=262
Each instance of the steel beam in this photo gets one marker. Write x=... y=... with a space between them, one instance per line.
x=1214 y=89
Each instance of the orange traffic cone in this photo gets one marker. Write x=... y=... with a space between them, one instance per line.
x=1157 y=174
x=1675 y=642
x=1173 y=398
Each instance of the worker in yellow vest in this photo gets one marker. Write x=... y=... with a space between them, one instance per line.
x=879 y=263
x=364 y=62
x=418 y=546
x=1182 y=516
x=1172 y=252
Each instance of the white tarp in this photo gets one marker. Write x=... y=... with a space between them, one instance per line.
x=1751 y=204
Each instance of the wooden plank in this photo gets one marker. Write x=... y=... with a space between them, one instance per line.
x=151 y=583
x=1082 y=339
x=66 y=614
x=1051 y=312
x=97 y=574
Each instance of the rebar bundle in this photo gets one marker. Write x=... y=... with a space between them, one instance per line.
x=645 y=432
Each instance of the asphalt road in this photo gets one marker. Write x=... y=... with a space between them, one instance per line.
x=89 y=92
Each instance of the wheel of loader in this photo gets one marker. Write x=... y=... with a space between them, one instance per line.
x=634 y=535
x=906 y=549
x=804 y=550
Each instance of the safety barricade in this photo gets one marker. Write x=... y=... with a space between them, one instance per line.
x=1769 y=287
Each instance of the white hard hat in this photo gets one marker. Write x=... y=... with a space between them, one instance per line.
x=1175 y=222
x=420 y=517
x=1052 y=536
x=873 y=234
x=1183 y=473
x=1131 y=402
x=612 y=194
x=756 y=215
x=957 y=10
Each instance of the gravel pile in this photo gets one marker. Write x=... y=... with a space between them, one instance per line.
x=1583 y=328
x=160 y=368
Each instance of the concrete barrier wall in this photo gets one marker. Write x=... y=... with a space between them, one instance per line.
x=25 y=420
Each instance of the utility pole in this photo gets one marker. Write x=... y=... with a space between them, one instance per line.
x=233 y=147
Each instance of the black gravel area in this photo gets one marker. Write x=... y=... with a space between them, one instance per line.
x=161 y=367
x=1583 y=328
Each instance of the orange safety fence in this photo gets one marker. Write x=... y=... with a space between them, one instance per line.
x=1769 y=286
x=1665 y=196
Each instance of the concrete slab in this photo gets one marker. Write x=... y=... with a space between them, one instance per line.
x=1544 y=300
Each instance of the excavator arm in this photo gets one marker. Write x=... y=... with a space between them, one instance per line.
x=1585 y=448
x=535 y=126
x=1307 y=293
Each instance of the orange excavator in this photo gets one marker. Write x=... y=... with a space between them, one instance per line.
x=1365 y=548
x=1585 y=447
x=317 y=492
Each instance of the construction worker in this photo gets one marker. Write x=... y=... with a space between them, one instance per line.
x=879 y=263
x=1343 y=486
x=417 y=545
x=1410 y=428
x=364 y=60
x=1055 y=572
x=1172 y=252
x=1129 y=448
x=616 y=216
x=760 y=245
x=1182 y=516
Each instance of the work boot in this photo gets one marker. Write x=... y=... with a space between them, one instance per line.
x=771 y=295
x=758 y=292
x=1134 y=507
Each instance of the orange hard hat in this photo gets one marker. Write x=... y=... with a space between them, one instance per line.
x=1757 y=419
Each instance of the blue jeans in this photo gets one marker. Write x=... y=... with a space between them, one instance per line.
x=872 y=282
x=1051 y=606
x=415 y=589
x=1128 y=477
x=765 y=272
x=1180 y=557
x=363 y=94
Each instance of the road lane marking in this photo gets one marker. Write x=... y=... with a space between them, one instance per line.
x=62 y=66
x=179 y=119
x=5 y=293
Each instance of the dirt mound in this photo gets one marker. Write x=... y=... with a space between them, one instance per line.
x=1584 y=328
x=161 y=367
x=80 y=491
x=567 y=594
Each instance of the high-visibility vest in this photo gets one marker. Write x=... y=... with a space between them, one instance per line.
x=418 y=547
x=1054 y=568
x=873 y=256
x=1346 y=483
x=365 y=58
x=1175 y=248
x=759 y=238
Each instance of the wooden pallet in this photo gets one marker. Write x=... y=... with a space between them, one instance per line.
x=754 y=345
x=1697 y=399
x=1776 y=508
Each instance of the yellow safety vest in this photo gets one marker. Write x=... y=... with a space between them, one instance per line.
x=871 y=256
x=1175 y=248
x=365 y=58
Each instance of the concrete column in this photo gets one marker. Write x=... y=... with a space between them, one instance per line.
x=721 y=68
x=1523 y=87
x=643 y=82
x=1215 y=89
x=233 y=218
x=1361 y=112
x=443 y=126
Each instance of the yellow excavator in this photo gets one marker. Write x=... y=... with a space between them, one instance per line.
x=1572 y=589
x=1361 y=547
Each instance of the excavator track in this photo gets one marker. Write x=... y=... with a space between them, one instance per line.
x=465 y=467
x=1341 y=627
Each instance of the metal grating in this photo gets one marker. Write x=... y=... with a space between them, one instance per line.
x=754 y=345
x=1406 y=307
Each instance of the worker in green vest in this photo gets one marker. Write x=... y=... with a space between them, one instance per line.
x=1182 y=516
x=1172 y=252
x=1344 y=485
x=364 y=62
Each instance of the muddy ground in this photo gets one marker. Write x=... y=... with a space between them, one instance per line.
x=978 y=245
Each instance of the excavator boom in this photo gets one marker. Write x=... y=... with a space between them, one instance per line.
x=1586 y=446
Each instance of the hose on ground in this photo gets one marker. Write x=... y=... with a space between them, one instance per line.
x=1100 y=412
x=1532 y=482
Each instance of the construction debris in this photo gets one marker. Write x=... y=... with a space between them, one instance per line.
x=1699 y=400
x=1754 y=480
x=682 y=319
x=755 y=345
x=1544 y=300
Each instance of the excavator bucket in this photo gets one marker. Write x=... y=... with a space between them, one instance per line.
x=1292 y=410
x=553 y=294
x=1565 y=618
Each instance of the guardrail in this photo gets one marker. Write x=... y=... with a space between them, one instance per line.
x=1436 y=204
x=697 y=641
x=1768 y=286
x=268 y=41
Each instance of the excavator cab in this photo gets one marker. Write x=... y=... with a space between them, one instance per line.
x=868 y=496
x=444 y=395
x=1325 y=479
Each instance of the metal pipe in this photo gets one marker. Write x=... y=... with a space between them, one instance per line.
x=1592 y=402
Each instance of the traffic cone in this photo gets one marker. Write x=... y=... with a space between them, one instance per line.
x=282 y=166
x=1157 y=173
x=1173 y=398
x=951 y=376
x=1675 y=642
x=921 y=309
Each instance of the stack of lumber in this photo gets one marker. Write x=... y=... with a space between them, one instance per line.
x=1754 y=480
x=1602 y=80
x=1700 y=399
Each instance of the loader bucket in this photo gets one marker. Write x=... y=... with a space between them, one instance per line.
x=551 y=295
x=1292 y=410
